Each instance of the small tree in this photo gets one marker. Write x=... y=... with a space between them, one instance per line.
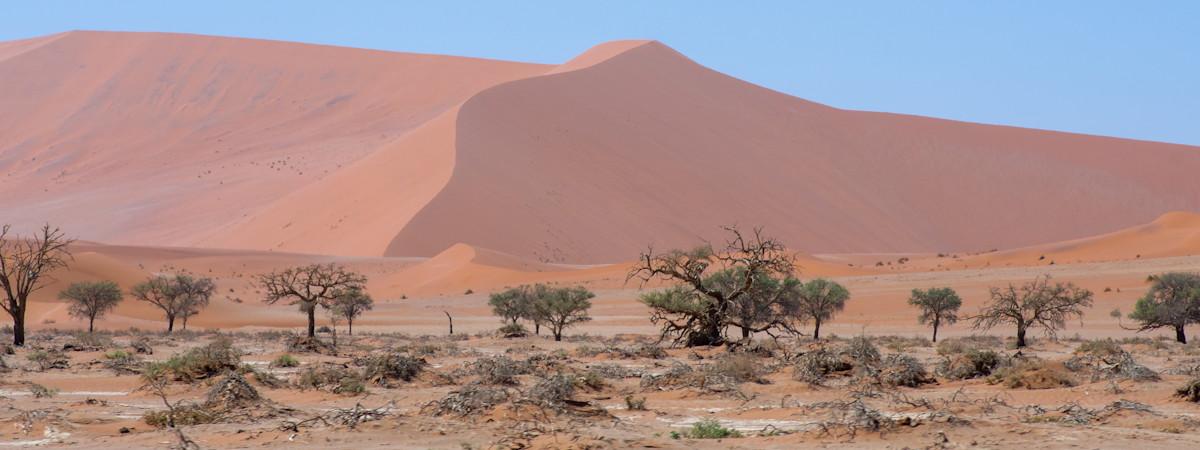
x=179 y=296
x=1035 y=304
x=510 y=305
x=351 y=303
x=1173 y=301
x=309 y=287
x=194 y=295
x=91 y=299
x=768 y=305
x=563 y=307
x=696 y=312
x=23 y=264
x=819 y=300
x=938 y=306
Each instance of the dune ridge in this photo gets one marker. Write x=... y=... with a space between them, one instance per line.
x=186 y=140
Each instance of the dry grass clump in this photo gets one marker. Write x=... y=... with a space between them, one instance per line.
x=1033 y=373
x=615 y=371
x=953 y=346
x=512 y=331
x=739 y=367
x=230 y=399
x=901 y=344
x=972 y=363
x=383 y=368
x=87 y=342
x=215 y=358
x=331 y=377
x=1105 y=359
x=553 y=392
x=861 y=351
x=1190 y=391
x=142 y=346
x=681 y=375
x=285 y=360
x=638 y=351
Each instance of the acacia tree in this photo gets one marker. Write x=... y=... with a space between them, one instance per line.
x=179 y=296
x=1037 y=303
x=768 y=305
x=695 y=312
x=515 y=304
x=819 y=300
x=938 y=306
x=562 y=307
x=351 y=303
x=91 y=299
x=309 y=287
x=24 y=265
x=195 y=294
x=1173 y=301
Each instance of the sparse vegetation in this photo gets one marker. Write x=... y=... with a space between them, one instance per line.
x=309 y=287
x=1038 y=303
x=285 y=360
x=90 y=300
x=1173 y=301
x=710 y=429
x=179 y=296
x=23 y=263
x=938 y=306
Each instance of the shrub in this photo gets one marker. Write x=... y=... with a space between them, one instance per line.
x=958 y=345
x=310 y=344
x=739 y=367
x=553 y=392
x=142 y=346
x=215 y=358
x=39 y=391
x=331 y=377
x=471 y=399
x=635 y=403
x=498 y=370
x=285 y=360
x=814 y=366
x=1190 y=391
x=970 y=364
x=48 y=359
x=513 y=330
x=382 y=368
x=902 y=370
x=1106 y=359
x=861 y=350
x=184 y=415
x=1033 y=373
x=710 y=429
x=122 y=362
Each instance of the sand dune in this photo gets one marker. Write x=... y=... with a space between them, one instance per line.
x=161 y=139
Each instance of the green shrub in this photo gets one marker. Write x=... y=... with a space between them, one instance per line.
x=285 y=360
x=711 y=429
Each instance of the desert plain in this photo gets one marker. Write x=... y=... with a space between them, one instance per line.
x=445 y=180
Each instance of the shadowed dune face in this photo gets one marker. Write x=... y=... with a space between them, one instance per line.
x=591 y=165
x=159 y=139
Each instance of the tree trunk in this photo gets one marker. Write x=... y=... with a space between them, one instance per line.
x=1179 y=334
x=185 y=318
x=19 y=328
x=817 y=330
x=558 y=336
x=1020 y=336
x=935 y=327
x=170 y=323
x=451 y=319
x=537 y=329
x=91 y=324
x=350 y=324
x=745 y=333
x=312 y=323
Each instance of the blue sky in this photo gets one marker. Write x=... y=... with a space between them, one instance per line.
x=1129 y=69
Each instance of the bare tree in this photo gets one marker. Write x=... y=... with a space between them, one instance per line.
x=309 y=287
x=179 y=296
x=351 y=303
x=563 y=307
x=820 y=299
x=694 y=312
x=1034 y=304
x=938 y=306
x=24 y=265
x=1173 y=301
x=91 y=299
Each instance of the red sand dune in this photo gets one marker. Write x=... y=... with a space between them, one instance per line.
x=189 y=140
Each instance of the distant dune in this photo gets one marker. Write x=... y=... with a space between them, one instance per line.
x=163 y=139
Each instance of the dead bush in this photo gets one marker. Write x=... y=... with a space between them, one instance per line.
x=553 y=392
x=215 y=358
x=498 y=370
x=972 y=363
x=814 y=366
x=231 y=393
x=87 y=342
x=901 y=370
x=1033 y=373
x=512 y=331
x=381 y=369
x=331 y=377
x=122 y=362
x=739 y=367
x=861 y=351
x=1106 y=360
x=615 y=371
x=953 y=346
x=48 y=359
x=142 y=346
x=471 y=399
x=307 y=344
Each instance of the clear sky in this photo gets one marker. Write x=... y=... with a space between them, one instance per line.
x=1118 y=68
